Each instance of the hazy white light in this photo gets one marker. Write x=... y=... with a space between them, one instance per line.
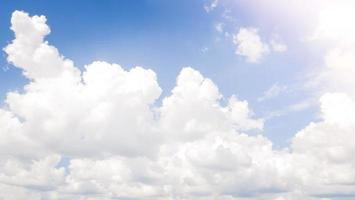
x=336 y=22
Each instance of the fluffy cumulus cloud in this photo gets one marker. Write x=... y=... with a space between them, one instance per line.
x=250 y=45
x=98 y=134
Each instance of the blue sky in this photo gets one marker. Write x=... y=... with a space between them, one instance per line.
x=166 y=36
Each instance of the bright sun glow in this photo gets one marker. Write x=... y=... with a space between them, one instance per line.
x=336 y=22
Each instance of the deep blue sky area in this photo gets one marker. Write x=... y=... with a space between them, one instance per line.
x=163 y=36
x=146 y=33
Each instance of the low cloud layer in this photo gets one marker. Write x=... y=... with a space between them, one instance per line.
x=98 y=134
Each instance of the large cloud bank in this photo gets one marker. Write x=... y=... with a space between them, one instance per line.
x=98 y=134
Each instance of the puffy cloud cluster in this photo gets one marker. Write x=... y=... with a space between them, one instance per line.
x=98 y=134
x=250 y=45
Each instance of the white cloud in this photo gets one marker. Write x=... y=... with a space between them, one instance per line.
x=274 y=91
x=328 y=145
x=211 y=6
x=277 y=45
x=336 y=36
x=204 y=49
x=121 y=145
x=31 y=53
x=249 y=44
x=219 y=27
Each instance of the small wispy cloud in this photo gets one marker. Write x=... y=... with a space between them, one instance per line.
x=219 y=27
x=291 y=108
x=274 y=91
x=277 y=44
x=204 y=49
x=210 y=7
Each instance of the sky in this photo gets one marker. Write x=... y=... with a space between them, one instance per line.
x=190 y=99
x=166 y=36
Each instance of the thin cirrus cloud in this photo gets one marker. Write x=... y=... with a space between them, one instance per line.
x=274 y=91
x=121 y=145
